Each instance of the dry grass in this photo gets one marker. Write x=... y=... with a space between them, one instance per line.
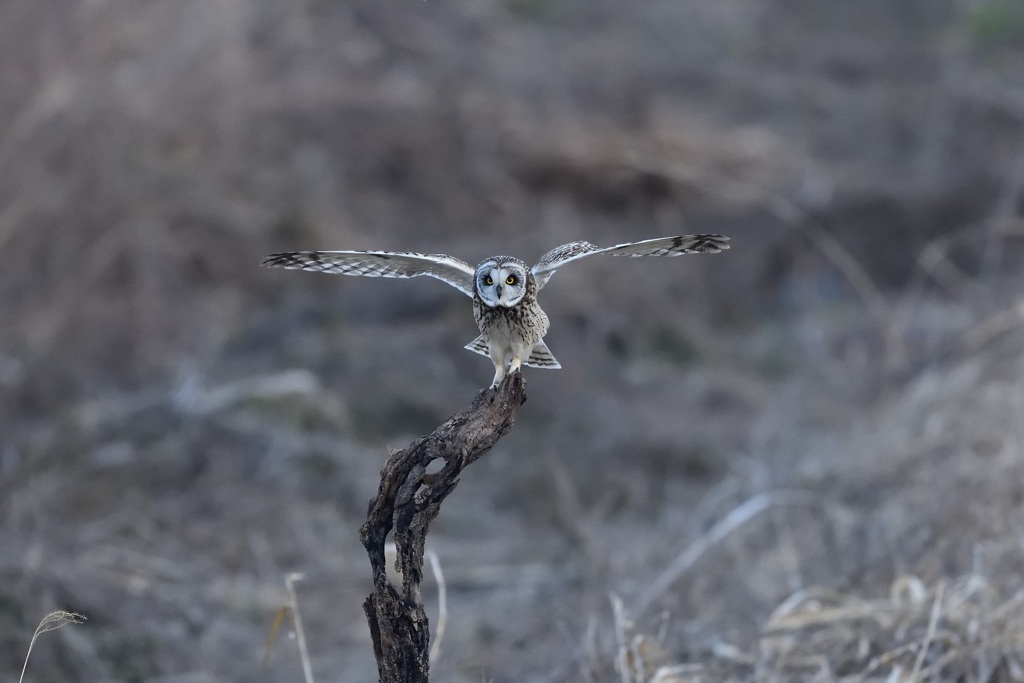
x=51 y=622
x=179 y=428
x=964 y=631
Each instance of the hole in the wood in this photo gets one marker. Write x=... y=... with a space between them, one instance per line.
x=435 y=466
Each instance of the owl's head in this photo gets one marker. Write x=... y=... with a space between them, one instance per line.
x=501 y=281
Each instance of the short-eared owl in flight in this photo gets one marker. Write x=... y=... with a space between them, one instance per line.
x=504 y=291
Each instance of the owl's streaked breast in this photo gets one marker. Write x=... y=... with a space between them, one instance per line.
x=525 y=323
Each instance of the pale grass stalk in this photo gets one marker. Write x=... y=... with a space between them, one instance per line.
x=51 y=622
x=676 y=673
x=586 y=654
x=390 y=551
x=663 y=629
x=1004 y=210
x=732 y=521
x=300 y=635
x=442 y=606
x=998 y=323
x=933 y=623
x=622 y=660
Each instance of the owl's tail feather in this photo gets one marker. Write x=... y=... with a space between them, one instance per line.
x=541 y=357
x=480 y=346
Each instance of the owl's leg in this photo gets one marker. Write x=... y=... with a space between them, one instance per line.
x=499 y=374
x=520 y=350
x=498 y=359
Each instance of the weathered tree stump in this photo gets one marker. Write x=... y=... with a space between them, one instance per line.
x=408 y=500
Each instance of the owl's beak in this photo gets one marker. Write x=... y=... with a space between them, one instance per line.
x=497 y=290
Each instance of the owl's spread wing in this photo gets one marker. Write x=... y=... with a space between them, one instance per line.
x=660 y=246
x=454 y=271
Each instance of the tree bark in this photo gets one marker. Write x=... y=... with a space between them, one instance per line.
x=406 y=502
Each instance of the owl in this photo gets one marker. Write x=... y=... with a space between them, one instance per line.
x=504 y=291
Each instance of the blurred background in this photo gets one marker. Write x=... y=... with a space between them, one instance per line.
x=832 y=408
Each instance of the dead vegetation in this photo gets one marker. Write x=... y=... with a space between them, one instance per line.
x=798 y=461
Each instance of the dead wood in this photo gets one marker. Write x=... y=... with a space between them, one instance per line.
x=408 y=500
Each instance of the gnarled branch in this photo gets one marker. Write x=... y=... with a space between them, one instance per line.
x=408 y=500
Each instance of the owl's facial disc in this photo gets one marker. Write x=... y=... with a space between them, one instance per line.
x=501 y=284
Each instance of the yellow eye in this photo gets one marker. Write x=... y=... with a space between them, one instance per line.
x=510 y=280
x=488 y=281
